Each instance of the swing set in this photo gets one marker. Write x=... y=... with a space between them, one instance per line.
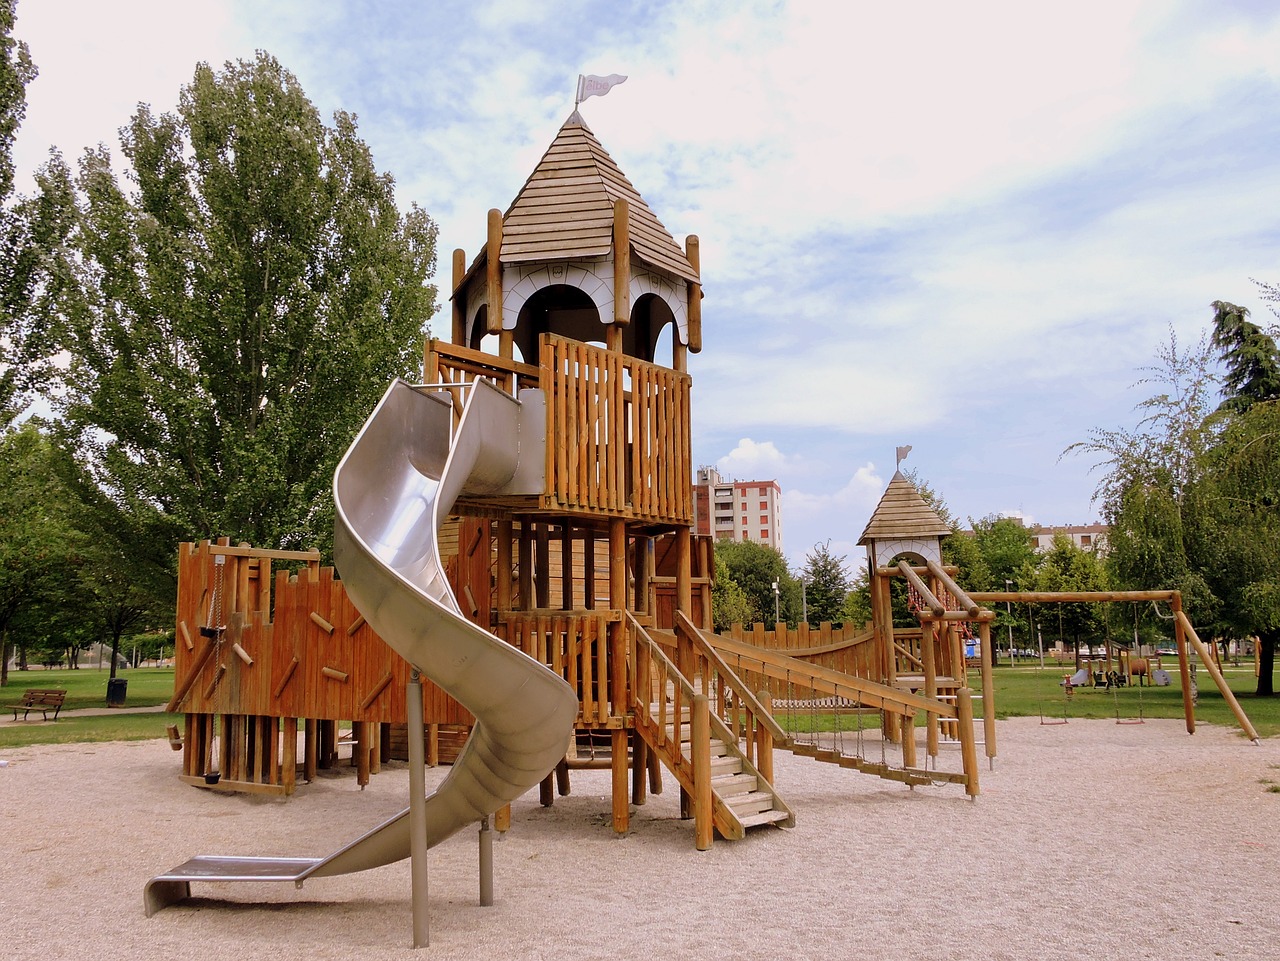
x=1185 y=636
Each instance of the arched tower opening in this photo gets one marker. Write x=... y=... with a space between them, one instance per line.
x=557 y=309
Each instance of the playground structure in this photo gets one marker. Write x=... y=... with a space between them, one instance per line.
x=517 y=530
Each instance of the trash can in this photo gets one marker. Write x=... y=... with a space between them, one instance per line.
x=116 y=688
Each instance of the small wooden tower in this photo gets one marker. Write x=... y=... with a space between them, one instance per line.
x=903 y=527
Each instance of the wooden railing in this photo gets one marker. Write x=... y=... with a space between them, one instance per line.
x=664 y=700
x=747 y=718
x=580 y=647
x=618 y=432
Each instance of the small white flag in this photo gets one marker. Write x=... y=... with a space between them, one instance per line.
x=593 y=86
x=903 y=452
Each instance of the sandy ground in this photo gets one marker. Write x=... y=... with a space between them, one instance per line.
x=1090 y=840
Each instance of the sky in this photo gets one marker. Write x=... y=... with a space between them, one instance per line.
x=964 y=227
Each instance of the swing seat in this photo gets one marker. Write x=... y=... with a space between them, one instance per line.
x=175 y=739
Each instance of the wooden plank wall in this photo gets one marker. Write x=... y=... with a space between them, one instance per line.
x=316 y=658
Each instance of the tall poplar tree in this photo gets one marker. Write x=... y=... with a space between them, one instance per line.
x=240 y=309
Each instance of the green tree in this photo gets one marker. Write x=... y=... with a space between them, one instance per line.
x=31 y=231
x=125 y=578
x=1240 y=489
x=754 y=568
x=857 y=603
x=826 y=580
x=236 y=317
x=1250 y=356
x=39 y=544
x=1150 y=475
x=1066 y=567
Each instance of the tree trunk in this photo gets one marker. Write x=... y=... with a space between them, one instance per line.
x=1267 y=662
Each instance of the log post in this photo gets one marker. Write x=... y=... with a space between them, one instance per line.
x=700 y=749
x=929 y=666
x=1184 y=665
x=964 y=718
x=985 y=654
x=1215 y=672
x=459 y=304
x=764 y=739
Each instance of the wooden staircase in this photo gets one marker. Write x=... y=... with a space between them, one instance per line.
x=723 y=788
x=740 y=796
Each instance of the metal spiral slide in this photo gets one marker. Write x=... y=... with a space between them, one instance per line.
x=392 y=491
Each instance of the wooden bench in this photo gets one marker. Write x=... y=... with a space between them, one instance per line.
x=42 y=700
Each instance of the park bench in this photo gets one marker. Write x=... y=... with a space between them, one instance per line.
x=38 y=699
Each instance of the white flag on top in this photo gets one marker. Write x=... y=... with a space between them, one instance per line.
x=593 y=86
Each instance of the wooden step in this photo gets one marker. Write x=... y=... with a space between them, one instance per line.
x=764 y=817
x=753 y=802
x=725 y=765
x=729 y=785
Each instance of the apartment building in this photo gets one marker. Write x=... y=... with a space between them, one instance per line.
x=1089 y=537
x=737 y=510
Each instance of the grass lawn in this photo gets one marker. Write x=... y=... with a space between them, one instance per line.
x=1020 y=691
x=87 y=687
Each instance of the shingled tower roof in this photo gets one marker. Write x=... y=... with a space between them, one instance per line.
x=902 y=514
x=565 y=209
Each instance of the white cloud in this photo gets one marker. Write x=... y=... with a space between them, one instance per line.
x=752 y=461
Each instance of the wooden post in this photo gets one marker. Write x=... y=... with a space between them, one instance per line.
x=542 y=570
x=310 y=748
x=493 y=279
x=620 y=770
x=764 y=739
x=1184 y=665
x=964 y=718
x=700 y=749
x=906 y=726
x=566 y=566
x=525 y=585
x=692 y=252
x=504 y=564
x=639 y=764
x=928 y=664
x=622 y=266
x=360 y=751
x=985 y=654
x=289 y=755
x=459 y=305
x=1215 y=672
x=684 y=571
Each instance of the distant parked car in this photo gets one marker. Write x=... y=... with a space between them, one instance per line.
x=1167 y=652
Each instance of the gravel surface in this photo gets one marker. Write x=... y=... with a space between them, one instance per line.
x=1091 y=840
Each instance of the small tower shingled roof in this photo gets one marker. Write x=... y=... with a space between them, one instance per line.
x=902 y=513
x=565 y=209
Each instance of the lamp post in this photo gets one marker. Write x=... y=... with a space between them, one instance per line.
x=1008 y=608
x=775 y=605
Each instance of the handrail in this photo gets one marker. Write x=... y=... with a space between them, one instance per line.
x=967 y=604
x=695 y=769
x=935 y=606
x=745 y=696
